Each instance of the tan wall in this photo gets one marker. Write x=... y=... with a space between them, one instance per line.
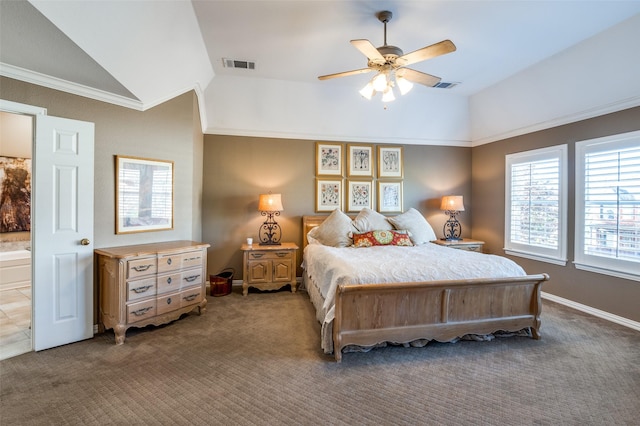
x=238 y=169
x=610 y=294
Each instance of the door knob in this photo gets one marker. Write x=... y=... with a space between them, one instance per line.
x=85 y=241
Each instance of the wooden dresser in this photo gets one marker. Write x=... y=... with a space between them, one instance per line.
x=462 y=244
x=269 y=267
x=148 y=284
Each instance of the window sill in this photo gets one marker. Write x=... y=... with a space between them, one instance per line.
x=600 y=270
x=538 y=257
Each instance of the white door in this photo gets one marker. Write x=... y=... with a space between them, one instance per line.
x=62 y=227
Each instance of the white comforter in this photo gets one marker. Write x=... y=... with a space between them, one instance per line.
x=329 y=267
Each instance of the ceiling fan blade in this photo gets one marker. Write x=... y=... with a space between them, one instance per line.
x=418 y=77
x=441 y=48
x=369 y=50
x=345 y=73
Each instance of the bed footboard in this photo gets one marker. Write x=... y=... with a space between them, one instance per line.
x=368 y=314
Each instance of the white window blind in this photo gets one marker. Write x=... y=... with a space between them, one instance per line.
x=608 y=204
x=535 y=224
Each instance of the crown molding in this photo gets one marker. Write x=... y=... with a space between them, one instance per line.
x=597 y=111
x=55 y=83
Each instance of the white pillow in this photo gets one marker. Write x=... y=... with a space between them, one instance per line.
x=419 y=229
x=334 y=231
x=370 y=220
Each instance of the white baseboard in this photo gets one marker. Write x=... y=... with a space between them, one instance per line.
x=593 y=311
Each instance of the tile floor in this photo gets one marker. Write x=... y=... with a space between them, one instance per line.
x=15 y=322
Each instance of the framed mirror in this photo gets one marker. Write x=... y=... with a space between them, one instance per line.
x=144 y=195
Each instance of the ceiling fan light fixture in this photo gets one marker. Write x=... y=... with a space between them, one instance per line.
x=368 y=91
x=403 y=84
x=387 y=95
x=379 y=82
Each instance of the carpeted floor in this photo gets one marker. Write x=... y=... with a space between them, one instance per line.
x=257 y=360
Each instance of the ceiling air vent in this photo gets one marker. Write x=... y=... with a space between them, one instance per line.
x=445 y=85
x=234 y=63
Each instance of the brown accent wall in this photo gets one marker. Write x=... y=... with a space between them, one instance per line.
x=238 y=169
x=614 y=295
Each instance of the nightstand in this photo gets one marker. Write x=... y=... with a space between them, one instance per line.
x=269 y=267
x=462 y=244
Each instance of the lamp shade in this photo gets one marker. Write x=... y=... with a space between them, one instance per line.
x=452 y=202
x=270 y=203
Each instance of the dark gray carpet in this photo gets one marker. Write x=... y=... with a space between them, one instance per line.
x=257 y=360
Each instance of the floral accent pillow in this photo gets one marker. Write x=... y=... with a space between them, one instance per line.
x=382 y=238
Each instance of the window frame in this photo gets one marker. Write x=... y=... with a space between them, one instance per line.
x=556 y=256
x=604 y=265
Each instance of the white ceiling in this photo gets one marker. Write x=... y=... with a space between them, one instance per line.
x=141 y=53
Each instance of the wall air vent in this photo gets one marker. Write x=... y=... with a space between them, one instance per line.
x=235 y=63
x=445 y=85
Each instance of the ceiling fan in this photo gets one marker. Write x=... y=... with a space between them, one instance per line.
x=390 y=63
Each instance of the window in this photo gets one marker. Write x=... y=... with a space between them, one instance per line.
x=536 y=204
x=608 y=205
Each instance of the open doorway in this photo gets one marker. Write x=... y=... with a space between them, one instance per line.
x=16 y=153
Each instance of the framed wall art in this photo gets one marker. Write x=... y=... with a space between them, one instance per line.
x=359 y=195
x=389 y=197
x=360 y=160
x=328 y=195
x=390 y=162
x=329 y=159
x=144 y=195
x=15 y=194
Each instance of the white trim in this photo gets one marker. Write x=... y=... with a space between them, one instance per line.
x=316 y=136
x=538 y=257
x=15 y=107
x=621 y=105
x=605 y=271
x=593 y=311
x=39 y=79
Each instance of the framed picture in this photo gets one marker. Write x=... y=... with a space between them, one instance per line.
x=328 y=159
x=390 y=197
x=360 y=160
x=359 y=195
x=144 y=195
x=328 y=195
x=390 y=162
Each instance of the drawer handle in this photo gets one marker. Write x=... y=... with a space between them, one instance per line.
x=191 y=297
x=168 y=300
x=169 y=280
x=192 y=258
x=169 y=261
x=257 y=255
x=281 y=254
x=142 y=289
x=141 y=268
x=191 y=278
x=142 y=311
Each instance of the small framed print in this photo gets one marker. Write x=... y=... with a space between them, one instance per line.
x=328 y=195
x=390 y=197
x=328 y=159
x=390 y=162
x=359 y=195
x=360 y=160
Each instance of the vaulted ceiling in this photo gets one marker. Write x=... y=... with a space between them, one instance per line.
x=519 y=65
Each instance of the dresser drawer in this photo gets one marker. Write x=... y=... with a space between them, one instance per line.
x=141 y=267
x=270 y=255
x=191 y=277
x=169 y=282
x=167 y=303
x=191 y=296
x=140 y=289
x=169 y=262
x=192 y=259
x=141 y=310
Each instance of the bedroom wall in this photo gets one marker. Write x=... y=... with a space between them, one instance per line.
x=237 y=169
x=614 y=295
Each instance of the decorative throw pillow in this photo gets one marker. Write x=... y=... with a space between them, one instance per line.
x=370 y=220
x=413 y=221
x=334 y=231
x=381 y=238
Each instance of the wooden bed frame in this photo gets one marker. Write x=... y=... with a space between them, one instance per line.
x=368 y=314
